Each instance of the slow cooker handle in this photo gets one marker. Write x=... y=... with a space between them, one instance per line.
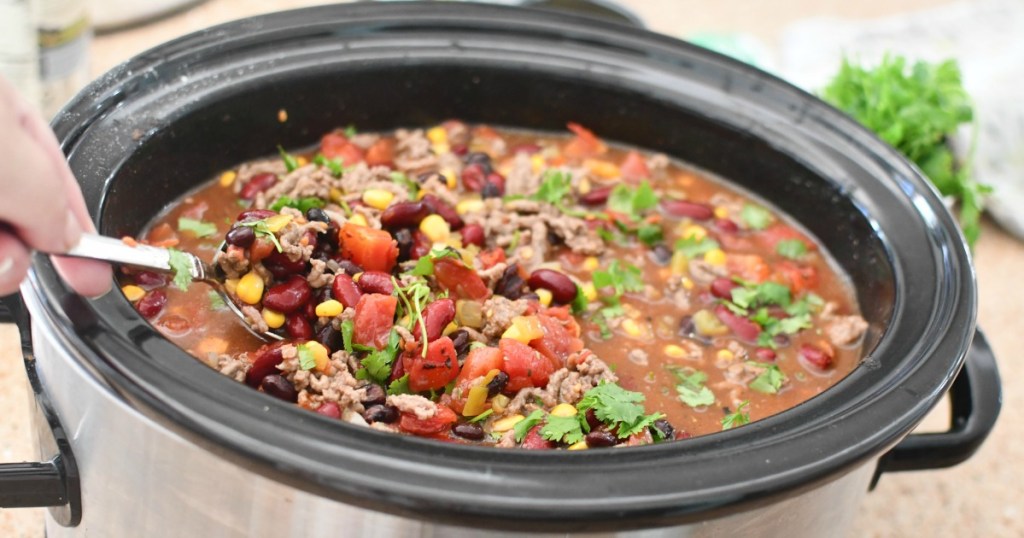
x=976 y=396
x=53 y=483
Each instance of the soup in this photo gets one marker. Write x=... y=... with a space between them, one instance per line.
x=504 y=288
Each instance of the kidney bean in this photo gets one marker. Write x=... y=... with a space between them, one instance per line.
x=279 y=387
x=330 y=338
x=460 y=149
x=240 y=236
x=376 y=282
x=318 y=215
x=150 y=280
x=256 y=185
x=473 y=177
x=494 y=186
x=562 y=288
x=329 y=410
x=436 y=316
x=265 y=362
x=255 y=214
x=592 y=419
x=510 y=284
x=446 y=211
x=281 y=267
x=665 y=427
x=815 y=356
x=534 y=441
x=722 y=287
x=404 y=215
x=473 y=234
x=381 y=413
x=345 y=290
x=460 y=339
x=421 y=245
x=741 y=326
x=375 y=395
x=466 y=430
x=596 y=196
x=151 y=304
x=600 y=439
x=288 y=296
x=497 y=384
x=726 y=225
x=764 y=354
x=350 y=267
x=397 y=370
x=683 y=208
x=298 y=327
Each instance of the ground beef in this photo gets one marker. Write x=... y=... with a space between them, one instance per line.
x=319 y=276
x=233 y=262
x=508 y=440
x=294 y=241
x=248 y=170
x=413 y=405
x=413 y=154
x=233 y=367
x=437 y=185
x=364 y=140
x=521 y=180
x=358 y=178
x=255 y=319
x=498 y=313
x=704 y=272
x=842 y=330
x=305 y=181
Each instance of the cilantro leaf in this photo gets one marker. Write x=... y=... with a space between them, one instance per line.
x=691 y=388
x=755 y=216
x=261 y=229
x=351 y=131
x=302 y=204
x=524 y=426
x=377 y=364
x=307 y=361
x=290 y=162
x=807 y=304
x=347 y=330
x=650 y=234
x=216 y=301
x=562 y=429
x=579 y=302
x=556 y=186
x=425 y=265
x=618 y=408
x=691 y=247
x=400 y=386
x=739 y=418
x=791 y=248
x=623 y=277
x=181 y=266
x=632 y=201
x=197 y=227
x=336 y=166
x=750 y=295
x=770 y=380
x=482 y=416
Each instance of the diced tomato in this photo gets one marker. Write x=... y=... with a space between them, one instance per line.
x=585 y=144
x=524 y=366
x=741 y=326
x=375 y=315
x=335 y=145
x=437 y=369
x=748 y=267
x=492 y=257
x=797 y=277
x=634 y=167
x=369 y=248
x=163 y=236
x=534 y=441
x=557 y=343
x=441 y=421
x=261 y=248
x=478 y=363
x=381 y=153
x=463 y=282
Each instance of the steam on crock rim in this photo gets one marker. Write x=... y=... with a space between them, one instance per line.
x=922 y=350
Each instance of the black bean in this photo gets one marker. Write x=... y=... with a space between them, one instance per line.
x=330 y=338
x=687 y=327
x=375 y=395
x=381 y=413
x=279 y=387
x=405 y=243
x=241 y=236
x=350 y=268
x=317 y=214
x=592 y=419
x=491 y=190
x=481 y=158
x=461 y=340
x=666 y=429
x=599 y=439
x=661 y=254
x=469 y=431
x=497 y=384
x=510 y=285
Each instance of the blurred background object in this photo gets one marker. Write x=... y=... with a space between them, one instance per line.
x=19 y=54
x=64 y=33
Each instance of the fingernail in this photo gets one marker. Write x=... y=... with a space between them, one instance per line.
x=6 y=265
x=72 y=231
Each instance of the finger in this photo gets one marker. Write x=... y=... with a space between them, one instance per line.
x=14 y=263
x=87 y=277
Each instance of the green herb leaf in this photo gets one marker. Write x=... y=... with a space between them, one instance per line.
x=482 y=416
x=650 y=234
x=691 y=387
x=377 y=365
x=290 y=162
x=336 y=166
x=632 y=201
x=216 y=301
x=182 y=268
x=400 y=386
x=791 y=248
x=623 y=277
x=556 y=185
x=691 y=247
x=770 y=380
x=562 y=429
x=400 y=178
x=618 y=408
x=425 y=265
x=755 y=216
x=351 y=131
x=307 y=361
x=261 y=229
x=739 y=418
x=197 y=227
x=302 y=204
x=524 y=426
x=579 y=302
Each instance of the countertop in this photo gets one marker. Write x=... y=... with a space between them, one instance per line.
x=977 y=498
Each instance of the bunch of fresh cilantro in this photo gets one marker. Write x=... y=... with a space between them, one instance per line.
x=916 y=109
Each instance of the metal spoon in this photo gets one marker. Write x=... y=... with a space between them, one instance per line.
x=109 y=249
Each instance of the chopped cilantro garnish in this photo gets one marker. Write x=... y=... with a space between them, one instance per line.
x=691 y=388
x=770 y=380
x=350 y=131
x=336 y=167
x=216 y=301
x=755 y=216
x=623 y=277
x=523 y=426
x=556 y=186
x=579 y=303
x=302 y=204
x=347 y=330
x=515 y=241
x=807 y=304
x=767 y=293
x=563 y=429
x=425 y=265
x=738 y=418
x=400 y=178
x=290 y=162
x=649 y=234
x=181 y=265
x=400 y=386
x=618 y=408
x=197 y=227
x=791 y=248
x=377 y=364
x=307 y=361
x=692 y=247
x=482 y=416
x=261 y=229
x=632 y=201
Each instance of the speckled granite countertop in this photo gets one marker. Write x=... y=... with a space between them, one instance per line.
x=977 y=498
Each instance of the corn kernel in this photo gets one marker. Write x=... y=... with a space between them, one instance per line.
x=632 y=328
x=435 y=228
x=581 y=445
x=437 y=135
x=675 y=351
x=278 y=222
x=545 y=296
x=440 y=149
x=450 y=180
x=320 y=353
x=715 y=257
x=336 y=195
x=589 y=291
x=537 y=163
x=359 y=220
x=524 y=329
x=301 y=161
x=693 y=231
x=679 y=264
x=273 y=318
x=469 y=206
x=591 y=263
x=231 y=286
x=708 y=324
x=725 y=355
x=329 y=308
x=603 y=169
x=228 y=178
x=450 y=328
x=378 y=198
x=584 y=187
x=721 y=212
x=563 y=410
x=505 y=424
x=500 y=402
x=687 y=283
x=133 y=293
x=422 y=193
x=250 y=288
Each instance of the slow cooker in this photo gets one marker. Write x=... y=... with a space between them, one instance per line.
x=139 y=439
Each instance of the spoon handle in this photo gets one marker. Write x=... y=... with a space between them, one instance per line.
x=109 y=249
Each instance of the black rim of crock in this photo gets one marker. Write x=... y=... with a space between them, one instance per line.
x=658 y=485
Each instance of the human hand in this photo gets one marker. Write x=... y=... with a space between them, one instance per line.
x=41 y=206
